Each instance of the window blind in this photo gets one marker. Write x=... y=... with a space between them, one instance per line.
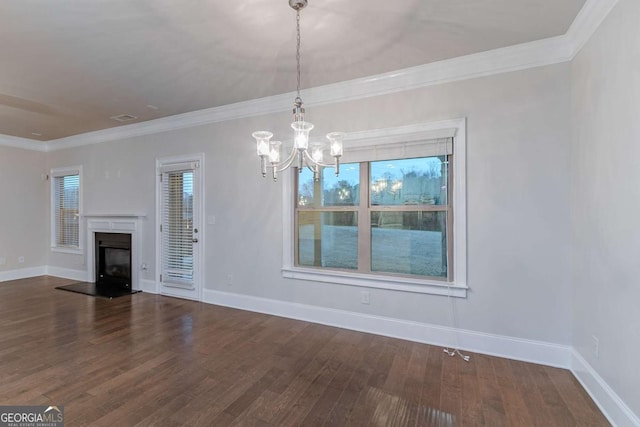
x=398 y=150
x=67 y=210
x=177 y=228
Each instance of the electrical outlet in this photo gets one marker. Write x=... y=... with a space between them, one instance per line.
x=596 y=347
x=365 y=297
x=21 y=259
x=229 y=279
x=3 y=260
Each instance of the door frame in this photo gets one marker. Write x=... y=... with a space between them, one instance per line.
x=198 y=260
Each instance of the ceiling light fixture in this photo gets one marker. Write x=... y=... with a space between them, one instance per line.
x=309 y=155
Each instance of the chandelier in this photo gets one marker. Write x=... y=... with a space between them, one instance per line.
x=302 y=153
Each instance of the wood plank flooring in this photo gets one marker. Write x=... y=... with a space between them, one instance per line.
x=149 y=360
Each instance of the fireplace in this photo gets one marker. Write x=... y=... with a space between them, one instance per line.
x=113 y=261
x=127 y=226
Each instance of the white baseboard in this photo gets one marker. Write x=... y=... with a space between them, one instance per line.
x=22 y=273
x=149 y=286
x=67 y=273
x=614 y=408
x=495 y=345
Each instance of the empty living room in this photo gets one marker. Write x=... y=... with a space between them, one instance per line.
x=318 y=212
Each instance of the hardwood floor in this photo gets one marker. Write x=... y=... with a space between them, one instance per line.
x=151 y=360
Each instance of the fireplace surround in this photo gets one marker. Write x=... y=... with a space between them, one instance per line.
x=129 y=228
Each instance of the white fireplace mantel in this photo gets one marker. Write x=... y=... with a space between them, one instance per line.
x=115 y=223
x=114 y=215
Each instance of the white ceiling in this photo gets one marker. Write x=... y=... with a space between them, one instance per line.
x=69 y=65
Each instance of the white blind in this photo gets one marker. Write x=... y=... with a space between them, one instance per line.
x=397 y=150
x=67 y=210
x=177 y=228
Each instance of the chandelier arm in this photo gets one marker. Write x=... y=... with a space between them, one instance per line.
x=313 y=162
x=287 y=163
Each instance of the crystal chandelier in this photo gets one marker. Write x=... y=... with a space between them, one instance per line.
x=302 y=153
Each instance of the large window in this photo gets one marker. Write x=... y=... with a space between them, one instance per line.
x=385 y=217
x=395 y=217
x=66 y=209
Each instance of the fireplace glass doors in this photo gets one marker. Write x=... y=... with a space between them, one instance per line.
x=113 y=260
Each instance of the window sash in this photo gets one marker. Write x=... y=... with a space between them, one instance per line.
x=66 y=210
x=364 y=209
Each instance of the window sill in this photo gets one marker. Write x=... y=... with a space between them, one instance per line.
x=63 y=250
x=381 y=282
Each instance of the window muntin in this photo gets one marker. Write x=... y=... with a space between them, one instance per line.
x=404 y=219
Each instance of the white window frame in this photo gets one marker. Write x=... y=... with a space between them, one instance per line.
x=456 y=129
x=56 y=173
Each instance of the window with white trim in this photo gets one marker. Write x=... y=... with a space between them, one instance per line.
x=388 y=220
x=66 y=209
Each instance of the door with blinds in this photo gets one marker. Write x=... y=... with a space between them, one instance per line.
x=179 y=229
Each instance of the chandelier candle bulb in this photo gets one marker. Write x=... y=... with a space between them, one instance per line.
x=301 y=134
x=274 y=153
x=262 y=142
x=316 y=153
x=336 y=138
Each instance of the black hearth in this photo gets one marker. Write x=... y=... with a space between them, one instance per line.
x=113 y=261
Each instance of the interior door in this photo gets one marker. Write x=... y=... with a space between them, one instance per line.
x=180 y=230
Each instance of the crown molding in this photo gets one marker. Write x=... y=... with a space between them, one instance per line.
x=538 y=53
x=587 y=22
x=534 y=54
x=23 y=143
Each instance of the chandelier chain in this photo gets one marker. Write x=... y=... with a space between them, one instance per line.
x=298 y=49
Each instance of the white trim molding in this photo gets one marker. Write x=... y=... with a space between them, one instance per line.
x=453 y=128
x=120 y=223
x=553 y=50
x=496 y=345
x=587 y=22
x=149 y=286
x=22 y=273
x=23 y=143
x=611 y=405
x=549 y=354
x=195 y=162
x=67 y=273
x=58 y=173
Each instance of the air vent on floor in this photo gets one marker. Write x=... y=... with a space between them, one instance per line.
x=123 y=118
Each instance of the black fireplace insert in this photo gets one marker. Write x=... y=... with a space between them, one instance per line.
x=113 y=261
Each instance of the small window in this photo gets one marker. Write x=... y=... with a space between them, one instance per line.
x=66 y=209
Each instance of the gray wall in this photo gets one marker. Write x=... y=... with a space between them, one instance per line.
x=606 y=200
x=518 y=201
x=23 y=217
